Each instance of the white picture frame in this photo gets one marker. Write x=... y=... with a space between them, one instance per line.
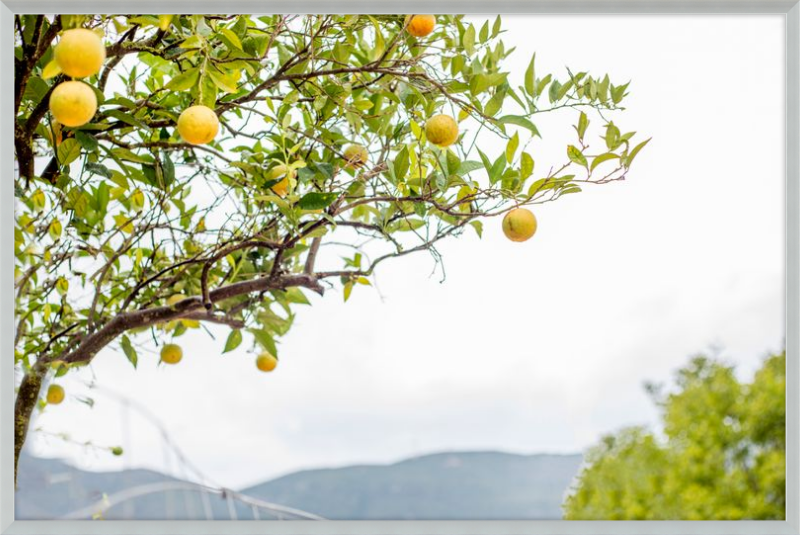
x=790 y=9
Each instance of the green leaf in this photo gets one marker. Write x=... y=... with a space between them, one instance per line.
x=496 y=27
x=405 y=225
x=54 y=230
x=296 y=295
x=265 y=340
x=221 y=82
x=617 y=93
x=348 y=289
x=68 y=151
x=380 y=46
x=129 y=350
x=478 y=226
x=184 y=81
x=602 y=89
x=126 y=118
x=87 y=141
x=467 y=166
x=511 y=147
x=635 y=151
x=50 y=70
x=99 y=169
x=317 y=201
x=496 y=172
x=484 y=33
x=575 y=155
x=125 y=154
x=495 y=103
x=233 y=341
x=554 y=87
x=164 y=21
x=232 y=37
x=167 y=169
x=530 y=78
x=571 y=189
x=526 y=167
x=401 y=164
x=602 y=158
x=612 y=136
x=520 y=121
x=481 y=82
x=468 y=40
x=583 y=123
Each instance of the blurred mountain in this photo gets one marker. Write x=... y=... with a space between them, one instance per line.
x=443 y=486
x=51 y=488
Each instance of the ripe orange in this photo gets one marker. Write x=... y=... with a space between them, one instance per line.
x=80 y=53
x=198 y=124
x=441 y=130
x=73 y=103
x=171 y=354
x=519 y=224
x=266 y=362
x=421 y=25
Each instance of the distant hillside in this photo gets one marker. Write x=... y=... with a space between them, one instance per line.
x=50 y=488
x=441 y=486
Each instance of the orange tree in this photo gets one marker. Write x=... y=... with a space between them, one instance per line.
x=173 y=170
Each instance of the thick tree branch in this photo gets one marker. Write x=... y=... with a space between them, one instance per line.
x=96 y=341
x=27 y=396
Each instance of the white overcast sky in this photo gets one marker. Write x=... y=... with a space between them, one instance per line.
x=534 y=347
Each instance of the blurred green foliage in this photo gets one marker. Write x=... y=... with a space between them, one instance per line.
x=721 y=457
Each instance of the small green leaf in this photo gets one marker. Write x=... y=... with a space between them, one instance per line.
x=467 y=166
x=184 y=81
x=478 y=226
x=526 y=166
x=635 y=151
x=221 y=82
x=575 y=155
x=164 y=21
x=68 y=151
x=87 y=141
x=50 y=70
x=602 y=158
x=348 y=289
x=468 y=41
x=55 y=230
x=129 y=350
x=511 y=147
x=520 y=121
x=583 y=123
x=232 y=37
x=317 y=201
x=401 y=164
x=530 y=78
x=233 y=341
x=612 y=136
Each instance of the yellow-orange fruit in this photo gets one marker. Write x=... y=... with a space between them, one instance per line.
x=198 y=124
x=282 y=187
x=421 y=25
x=519 y=224
x=266 y=362
x=356 y=156
x=73 y=103
x=441 y=130
x=55 y=394
x=171 y=354
x=80 y=53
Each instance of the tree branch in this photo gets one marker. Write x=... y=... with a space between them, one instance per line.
x=96 y=341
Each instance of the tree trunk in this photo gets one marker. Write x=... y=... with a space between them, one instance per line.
x=27 y=396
